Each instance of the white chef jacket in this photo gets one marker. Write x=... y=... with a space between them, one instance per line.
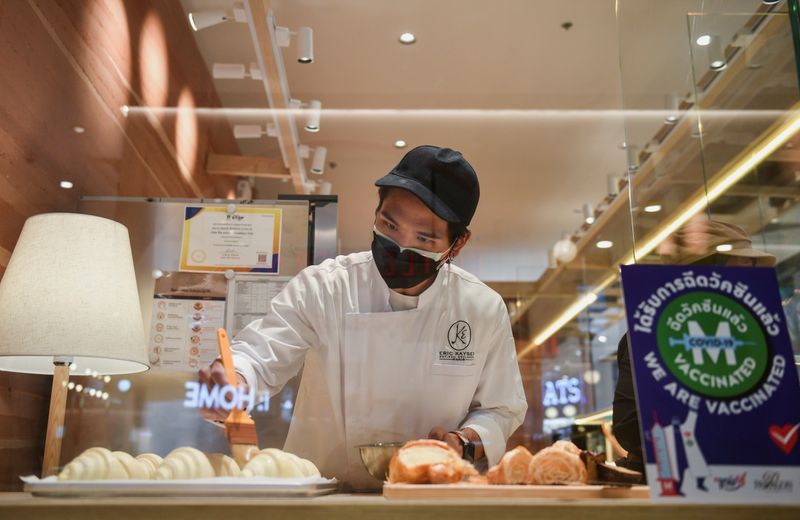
x=373 y=375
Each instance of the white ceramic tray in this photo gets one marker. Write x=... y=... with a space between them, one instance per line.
x=206 y=487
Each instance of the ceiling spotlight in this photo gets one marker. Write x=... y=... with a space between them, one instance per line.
x=632 y=155
x=407 y=38
x=67 y=185
x=236 y=71
x=588 y=214
x=248 y=131
x=305 y=45
x=325 y=188
x=305 y=42
x=400 y=144
x=318 y=161
x=78 y=129
x=652 y=208
x=200 y=20
x=602 y=339
x=703 y=40
x=79 y=388
x=716 y=56
x=612 y=184
x=313 y=115
x=125 y=109
x=724 y=248
x=605 y=244
x=672 y=103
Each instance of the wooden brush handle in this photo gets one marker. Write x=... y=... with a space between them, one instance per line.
x=227 y=358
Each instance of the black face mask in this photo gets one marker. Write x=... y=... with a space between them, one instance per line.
x=402 y=268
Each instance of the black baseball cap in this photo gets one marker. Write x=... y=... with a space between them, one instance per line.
x=441 y=178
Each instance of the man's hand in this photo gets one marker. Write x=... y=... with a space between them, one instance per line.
x=451 y=439
x=214 y=375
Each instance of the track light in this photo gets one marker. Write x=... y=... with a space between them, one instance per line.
x=716 y=56
x=253 y=131
x=672 y=103
x=632 y=155
x=200 y=20
x=236 y=71
x=313 y=116
x=325 y=188
x=588 y=214
x=318 y=162
x=305 y=42
x=612 y=184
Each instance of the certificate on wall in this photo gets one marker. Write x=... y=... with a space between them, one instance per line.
x=716 y=386
x=246 y=240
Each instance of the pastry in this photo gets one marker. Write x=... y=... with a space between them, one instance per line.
x=428 y=461
x=184 y=463
x=275 y=463
x=223 y=465
x=512 y=469
x=101 y=464
x=556 y=465
x=151 y=462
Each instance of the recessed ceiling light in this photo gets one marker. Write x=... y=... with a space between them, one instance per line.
x=399 y=144
x=125 y=109
x=602 y=339
x=407 y=38
x=652 y=208
x=605 y=244
x=724 y=248
x=78 y=129
x=66 y=185
x=703 y=40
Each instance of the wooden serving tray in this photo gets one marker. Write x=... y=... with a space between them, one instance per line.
x=466 y=491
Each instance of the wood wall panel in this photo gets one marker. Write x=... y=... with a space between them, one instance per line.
x=70 y=63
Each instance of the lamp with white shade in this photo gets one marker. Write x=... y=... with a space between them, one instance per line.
x=69 y=296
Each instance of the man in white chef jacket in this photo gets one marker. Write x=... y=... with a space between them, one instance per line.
x=396 y=343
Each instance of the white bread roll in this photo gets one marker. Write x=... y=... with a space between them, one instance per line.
x=151 y=461
x=94 y=464
x=223 y=465
x=279 y=464
x=184 y=463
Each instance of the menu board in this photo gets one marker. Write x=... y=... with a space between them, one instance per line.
x=231 y=238
x=188 y=308
x=249 y=297
x=716 y=385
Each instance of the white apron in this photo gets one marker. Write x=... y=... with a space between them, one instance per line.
x=394 y=387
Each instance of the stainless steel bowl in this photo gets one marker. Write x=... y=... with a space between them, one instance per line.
x=376 y=457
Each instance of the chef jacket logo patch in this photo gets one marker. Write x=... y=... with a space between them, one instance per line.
x=459 y=337
x=712 y=344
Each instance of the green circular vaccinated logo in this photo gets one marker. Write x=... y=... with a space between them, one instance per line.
x=712 y=344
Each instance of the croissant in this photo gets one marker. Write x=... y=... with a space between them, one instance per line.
x=184 y=463
x=512 y=468
x=428 y=461
x=223 y=465
x=556 y=465
x=151 y=462
x=102 y=464
x=271 y=462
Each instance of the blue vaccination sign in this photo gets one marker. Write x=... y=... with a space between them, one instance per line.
x=716 y=383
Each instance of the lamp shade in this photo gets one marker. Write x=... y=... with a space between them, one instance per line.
x=69 y=294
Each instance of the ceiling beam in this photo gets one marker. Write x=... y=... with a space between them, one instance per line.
x=246 y=166
x=271 y=65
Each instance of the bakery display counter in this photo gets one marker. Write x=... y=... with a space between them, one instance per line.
x=354 y=507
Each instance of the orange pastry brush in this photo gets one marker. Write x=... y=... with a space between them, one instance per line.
x=240 y=429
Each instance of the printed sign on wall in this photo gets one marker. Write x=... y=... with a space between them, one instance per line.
x=716 y=384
